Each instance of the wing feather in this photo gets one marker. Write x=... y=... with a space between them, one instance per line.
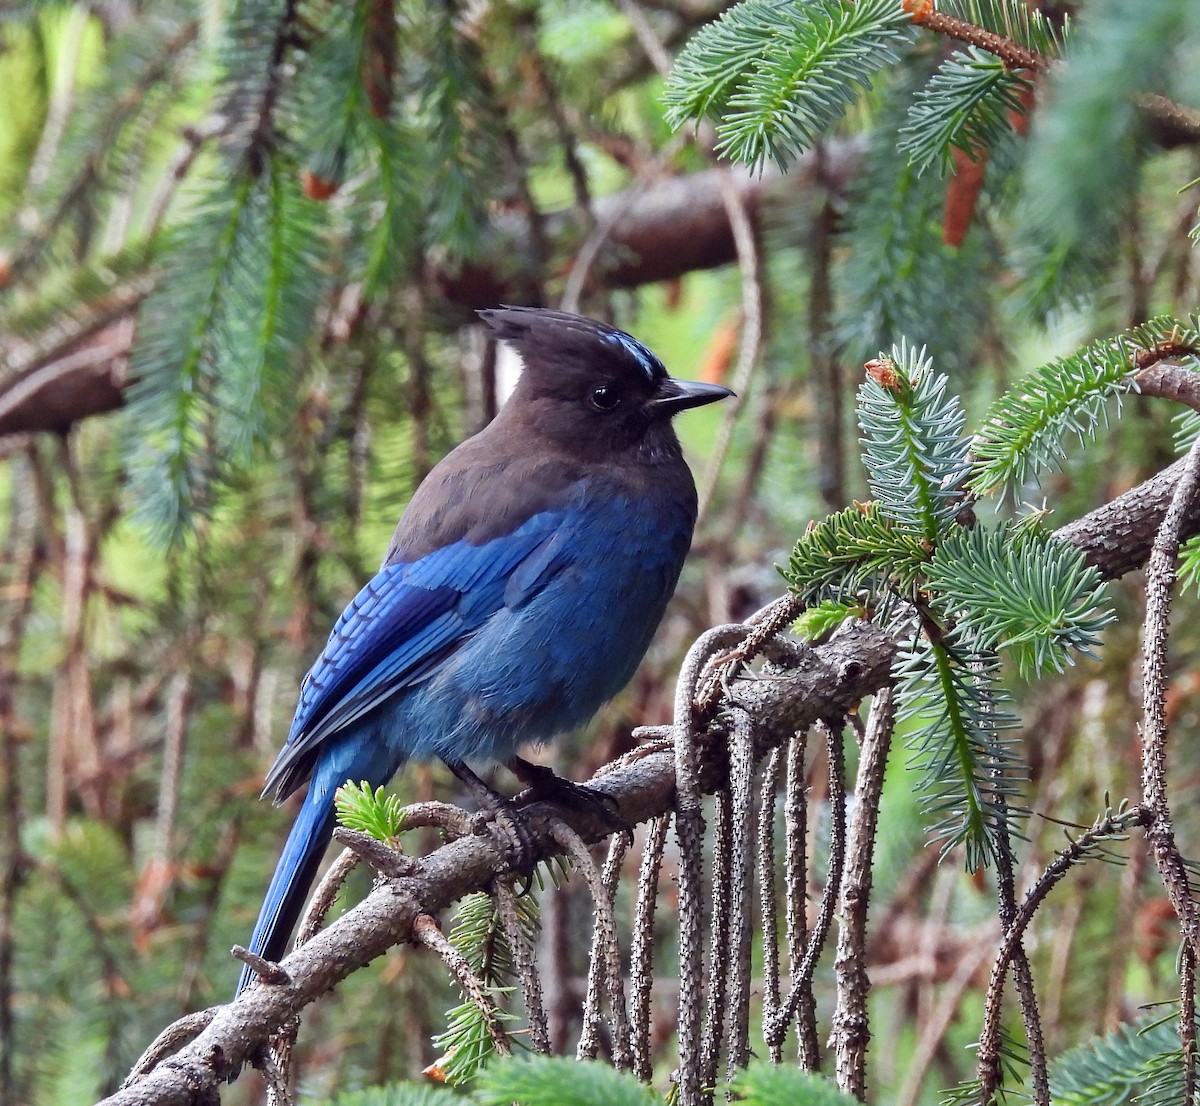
x=403 y=622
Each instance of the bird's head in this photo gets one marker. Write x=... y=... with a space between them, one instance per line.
x=591 y=387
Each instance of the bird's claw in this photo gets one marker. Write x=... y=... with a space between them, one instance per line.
x=547 y=785
x=502 y=821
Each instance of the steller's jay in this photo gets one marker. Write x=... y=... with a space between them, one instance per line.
x=519 y=592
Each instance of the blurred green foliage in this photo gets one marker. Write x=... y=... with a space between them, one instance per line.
x=290 y=202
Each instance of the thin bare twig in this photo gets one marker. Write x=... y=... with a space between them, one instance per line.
x=1109 y=826
x=1006 y=888
x=426 y=930
x=1187 y=1021
x=795 y=813
x=750 y=348
x=602 y=228
x=275 y=1063
x=851 y=1029
x=827 y=383
x=1160 y=579
x=523 y=958
x=641 y=954
x=658 y=54
x=1014 y=55
x=716 y=1007
x=604 y=975
x=170 y=1041
x=763 y=628
x=829 y=898
x=266 y=970
x=325 y=894
x=1039 y=1075
x=156 y=878
x=768 y=891
x=608 y=219
x=689 y=831
x=737 y=958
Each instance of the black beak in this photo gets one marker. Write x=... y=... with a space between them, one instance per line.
x=678 y=395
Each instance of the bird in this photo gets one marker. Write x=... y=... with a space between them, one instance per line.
x=519 y=592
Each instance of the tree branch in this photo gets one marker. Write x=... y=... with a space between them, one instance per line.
x=1160 y=580
x=819 y=682
x=1013 y=54
x=1116 y=537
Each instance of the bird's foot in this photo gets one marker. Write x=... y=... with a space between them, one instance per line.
x=502 y=820
x=508 y=820
x=543 y=784
x=499 y=817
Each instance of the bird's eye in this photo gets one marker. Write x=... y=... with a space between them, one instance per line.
x=605 y=398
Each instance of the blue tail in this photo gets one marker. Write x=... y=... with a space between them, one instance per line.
x=360 y=756
x=294 y=875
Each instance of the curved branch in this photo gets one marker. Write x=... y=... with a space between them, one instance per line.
x=1117 y=537
x=823 y=681
x=1160 y=580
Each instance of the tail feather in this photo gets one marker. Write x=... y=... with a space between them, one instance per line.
x=294 y=875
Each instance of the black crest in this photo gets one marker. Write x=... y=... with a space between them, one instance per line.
x=554 y=341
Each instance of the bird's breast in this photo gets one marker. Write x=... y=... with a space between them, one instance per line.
x=544 y=663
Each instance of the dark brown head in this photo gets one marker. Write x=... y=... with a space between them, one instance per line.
x=591 y=388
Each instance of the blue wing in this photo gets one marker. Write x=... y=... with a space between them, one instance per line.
x=406 y=620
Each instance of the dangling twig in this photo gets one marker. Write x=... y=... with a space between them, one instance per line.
x=1109 y=826
x=604 y=973
x=1187 y=1021
x=1160 y=579
x=641 y=953
x=851 y=1029
x=425 y=929
x=772 y=774
x=802 y=989
x=716 y=1007
x=1022 y=970
x=741 y=784
x=523 y=958
x=275 y=1063
x=689 y=831
x=795 y=812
